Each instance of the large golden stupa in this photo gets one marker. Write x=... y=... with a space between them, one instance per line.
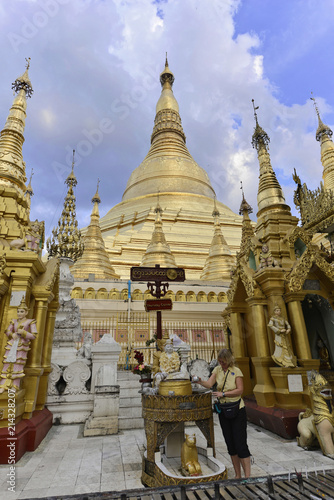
x=185 y=195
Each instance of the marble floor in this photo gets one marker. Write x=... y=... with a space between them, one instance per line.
x=67 y=463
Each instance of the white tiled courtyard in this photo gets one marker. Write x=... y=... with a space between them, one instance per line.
x=67 y=463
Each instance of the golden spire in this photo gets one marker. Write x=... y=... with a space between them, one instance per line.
x=66 y=238
x=324 y=135
x=158 y=251
x=247 y=228
x=219 y=262
x=168 y=162
x=29 y=189
x=270 y=195
x=94 y=259
x=12 y=168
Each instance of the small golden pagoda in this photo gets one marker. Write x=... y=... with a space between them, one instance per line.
x=278 y=273
x=24 y=279
x=94 y=258
x=158 y=251
x=220 y=261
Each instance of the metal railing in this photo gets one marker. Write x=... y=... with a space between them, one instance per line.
x=132 y=331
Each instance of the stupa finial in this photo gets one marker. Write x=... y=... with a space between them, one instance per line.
x=322 y=128
x=260 y=137
x=23 y=82
x=96 y=198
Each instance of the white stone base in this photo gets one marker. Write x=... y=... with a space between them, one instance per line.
x=70 y=409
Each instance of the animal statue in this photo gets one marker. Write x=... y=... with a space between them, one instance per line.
x=189 y=457
x=318 y=424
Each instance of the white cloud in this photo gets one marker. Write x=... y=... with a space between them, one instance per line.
x=102 y=62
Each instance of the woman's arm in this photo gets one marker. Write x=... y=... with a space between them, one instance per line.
x=234 y=392
x=208 y=383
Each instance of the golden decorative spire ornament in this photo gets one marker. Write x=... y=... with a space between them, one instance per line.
x=168 y=162
x=158 y=251
x=66 y=238
x=94 y=259
x=324 y=136
x=12 y=168
x=270 y=195
x=220 y=261
x=247 y=227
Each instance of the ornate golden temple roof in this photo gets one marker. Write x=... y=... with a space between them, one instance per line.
x=168 y=165
x=219 y=262
x=94 y=259
x=66 y=238
x=158 y=251
x=12 y=169
x=270 y=196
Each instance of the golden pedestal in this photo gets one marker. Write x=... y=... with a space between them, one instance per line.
x=162 y=415
x=264 y=390
x=291 y=387
x=11 y=408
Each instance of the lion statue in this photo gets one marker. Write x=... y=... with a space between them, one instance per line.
x=318 y=424
x=189 y=457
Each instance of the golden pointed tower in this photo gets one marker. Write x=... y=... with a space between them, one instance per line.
x=270 y=196
x=14 y=209
x=186 y=196
x=247 y=227
x=95 y=257
x=219 y=262
x=168 y=159
x=324 y=136
x=66 y=238
x=274 y=217
x=158 y=251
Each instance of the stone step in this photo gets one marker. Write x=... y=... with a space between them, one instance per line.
x=126 y=375
x=129 y=390
x=129 y=412
x=125 y=423
x=127 y=402
x=128 y=384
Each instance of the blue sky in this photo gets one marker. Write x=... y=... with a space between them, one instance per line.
x=95 y=69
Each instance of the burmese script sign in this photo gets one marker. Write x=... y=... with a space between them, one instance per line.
x=157 y=274
x=158 y=304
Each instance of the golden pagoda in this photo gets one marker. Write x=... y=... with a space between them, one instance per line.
x=158 y=251
x=26 y=282
x=94 y=258
x=220 y=261
x=186 y=198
